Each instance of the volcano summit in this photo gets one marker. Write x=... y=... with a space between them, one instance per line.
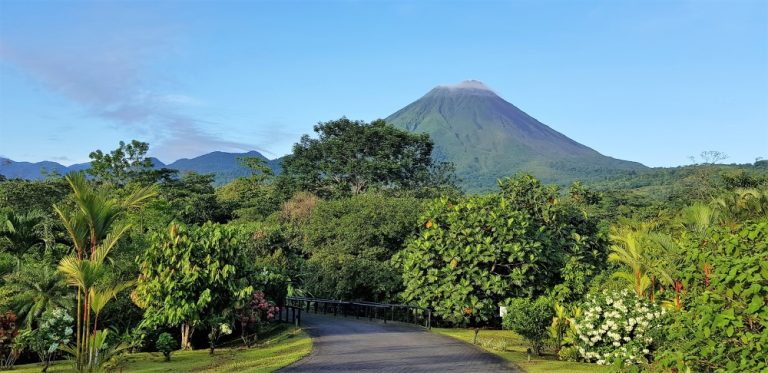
x=488 y=138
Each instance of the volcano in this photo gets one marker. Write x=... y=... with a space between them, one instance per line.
x=488 y=138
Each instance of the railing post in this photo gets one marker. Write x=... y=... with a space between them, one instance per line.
x=370 y=310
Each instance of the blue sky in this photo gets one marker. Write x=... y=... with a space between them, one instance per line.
x=650 y=81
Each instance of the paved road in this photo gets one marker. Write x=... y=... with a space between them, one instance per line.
x=350 y=345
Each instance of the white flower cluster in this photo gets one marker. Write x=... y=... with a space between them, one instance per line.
x=56 y=329
x=225 y=329
x=614 y=327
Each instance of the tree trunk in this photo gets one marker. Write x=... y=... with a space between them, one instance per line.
x=186 y=334
x=79 y=342
x=243 y=336
x=183 y=336
x=474 y=338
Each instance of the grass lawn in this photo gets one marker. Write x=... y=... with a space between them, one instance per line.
x=280 y=350
x=512 y=348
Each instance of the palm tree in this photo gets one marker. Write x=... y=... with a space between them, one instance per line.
x=628 y=250
x=634 y=249
x=35 y=289
x=698 y=217
x=93 y=227
x=742 y=204
x=22 y=231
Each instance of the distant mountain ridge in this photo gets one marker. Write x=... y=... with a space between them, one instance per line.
x=226 y=166
x=488 y=138
x=483 y=135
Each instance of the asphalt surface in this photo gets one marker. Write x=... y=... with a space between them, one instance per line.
x=350 y=345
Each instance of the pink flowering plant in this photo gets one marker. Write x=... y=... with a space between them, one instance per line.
x=256 y=312
x=618 y=328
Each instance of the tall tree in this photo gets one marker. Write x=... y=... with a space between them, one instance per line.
x=192 y=199
x=350 y=157
x=24 y=196
x=121 y=165
x=252 y=197
x=190 y=275
x=350 y=243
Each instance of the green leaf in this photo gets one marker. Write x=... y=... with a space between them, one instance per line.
x=756 y=303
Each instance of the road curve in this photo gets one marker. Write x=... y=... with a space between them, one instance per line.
x=350 y=345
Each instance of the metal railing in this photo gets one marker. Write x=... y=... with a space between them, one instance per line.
x=360 y=309
x=290 y=314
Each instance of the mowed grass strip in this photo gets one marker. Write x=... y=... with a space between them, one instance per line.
x=288 y=346
x=512 y=348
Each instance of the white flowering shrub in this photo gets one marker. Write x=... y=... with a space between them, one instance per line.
x=55 y=331
x=617 y=328
x=218 y=329
x=225 y=329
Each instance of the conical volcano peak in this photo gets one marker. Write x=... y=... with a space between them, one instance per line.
x=487 y=138
x=472 y=85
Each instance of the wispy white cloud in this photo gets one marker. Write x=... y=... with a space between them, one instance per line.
x=110 y=74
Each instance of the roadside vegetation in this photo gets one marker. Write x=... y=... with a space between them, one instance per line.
x=280 y=350
x=129 y=264
x=513 y=348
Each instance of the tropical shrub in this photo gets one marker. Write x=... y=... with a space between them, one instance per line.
x=33 y=289
x=254 y=314
x=9 y=330
x=473 y=253
x=218 y=330
x=723 y=323
x=561 y=332
x=569 y=353
x=618 y=328
x=55 y=331
x=530 y=319
x=166 y=344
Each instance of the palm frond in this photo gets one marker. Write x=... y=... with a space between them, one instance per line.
x=102 y=251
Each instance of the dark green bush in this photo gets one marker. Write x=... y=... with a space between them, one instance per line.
x=569 y=353
x=530 y=319
x=166 y=344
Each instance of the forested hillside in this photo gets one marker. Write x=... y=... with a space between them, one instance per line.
x=663 y=269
